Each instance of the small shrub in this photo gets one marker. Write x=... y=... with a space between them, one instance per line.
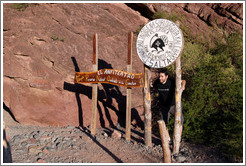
x=54 y=37
x=20 y=6
x=62 y=39
x=172 y=16
x=138 y=29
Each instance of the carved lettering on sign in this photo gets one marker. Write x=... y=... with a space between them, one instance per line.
x=159 y=43
x=111 y=76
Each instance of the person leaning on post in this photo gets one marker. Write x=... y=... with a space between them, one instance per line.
x=165 y=92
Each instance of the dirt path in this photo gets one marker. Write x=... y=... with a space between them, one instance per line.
x=32 y=144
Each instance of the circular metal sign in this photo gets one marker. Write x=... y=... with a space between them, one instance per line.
x=159 y=43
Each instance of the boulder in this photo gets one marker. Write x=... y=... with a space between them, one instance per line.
x=116 y=134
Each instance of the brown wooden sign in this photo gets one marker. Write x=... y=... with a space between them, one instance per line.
x=110 y=76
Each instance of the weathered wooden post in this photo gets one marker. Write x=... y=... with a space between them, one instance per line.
x=94 y=86
x=147 y=108
x=178 y=92
x=164 y=140
x=129 y=90
x=177 y=122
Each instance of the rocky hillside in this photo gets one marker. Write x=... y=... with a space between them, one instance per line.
x=44 y=44
x=199 y=18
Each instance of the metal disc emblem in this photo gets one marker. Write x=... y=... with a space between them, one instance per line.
x=159 y=43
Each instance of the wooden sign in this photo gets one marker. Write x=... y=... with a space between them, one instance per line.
x=110 y=76
x=159 y=43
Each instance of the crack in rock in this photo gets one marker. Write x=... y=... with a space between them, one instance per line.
x=77 y=33
x=14 y=77
x=21 y=54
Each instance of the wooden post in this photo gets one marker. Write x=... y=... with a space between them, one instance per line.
x=129 y=90
x=177 y=122
x=94 y=86
x=164 y=140
x=147 y=107
x=178 y=92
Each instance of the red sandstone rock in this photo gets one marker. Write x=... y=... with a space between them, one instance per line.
x=39 y=69
x=46 y=151
x=116 y=134
x=41 y=160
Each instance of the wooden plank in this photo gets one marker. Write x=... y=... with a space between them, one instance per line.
x=94 y=86
x=111 y=76
x=147 y=107
x=129 y=90
x=164 y=140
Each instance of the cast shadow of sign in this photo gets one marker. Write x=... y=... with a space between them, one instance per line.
x=105 y=96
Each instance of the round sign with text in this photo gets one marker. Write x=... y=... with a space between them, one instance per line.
x=159 y=43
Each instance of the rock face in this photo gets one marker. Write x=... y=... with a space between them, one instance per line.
x=205 y=19
x=45 y=44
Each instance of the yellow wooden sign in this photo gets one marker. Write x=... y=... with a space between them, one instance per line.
x=110 y=76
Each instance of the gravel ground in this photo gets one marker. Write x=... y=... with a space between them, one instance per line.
x=71 y=144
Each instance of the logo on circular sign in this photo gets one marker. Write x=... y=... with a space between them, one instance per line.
x=159 y=43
